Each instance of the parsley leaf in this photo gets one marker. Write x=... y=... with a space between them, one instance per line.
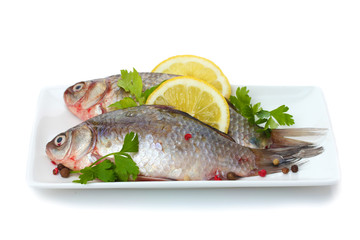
x=123 y=169
x=270 y=123
x=281 y=116
x=263 y=114
x=124 y=103
x=131 y=82
x=131 y=143
x=147 y=93
x=104 y=171
x=256 y=115
x=87 y=174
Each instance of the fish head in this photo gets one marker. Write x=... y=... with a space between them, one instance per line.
x=83 y=99
x=73 y=148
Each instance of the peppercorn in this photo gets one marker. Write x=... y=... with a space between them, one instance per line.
x=187 y=136
x=262 y=173
x=217 y=177
x=294 y=168
x=65 y=172
x=285 y=170
x=55 y=171
x=276 y=162
x=60 y=166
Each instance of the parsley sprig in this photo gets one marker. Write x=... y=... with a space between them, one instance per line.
x=131 y=82
x=256 y=115
x=122 y=169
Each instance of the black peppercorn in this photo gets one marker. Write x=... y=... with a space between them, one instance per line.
x=65 y=172
x=294 y=168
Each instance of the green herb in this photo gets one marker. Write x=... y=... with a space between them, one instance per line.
x=122 y=169
x=256 y=115
x=148 y=91
x=131 y=82
x=125 y=167
x=124 y=103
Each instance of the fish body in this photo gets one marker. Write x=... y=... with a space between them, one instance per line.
x=91 y=98
x=164 y=151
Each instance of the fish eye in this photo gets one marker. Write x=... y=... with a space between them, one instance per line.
x=77 y=87
x=60 y=140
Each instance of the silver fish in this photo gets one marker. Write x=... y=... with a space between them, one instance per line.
x=164 y=151
x=91 y=98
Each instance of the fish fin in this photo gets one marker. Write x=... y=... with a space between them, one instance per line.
x=300 y=137
x=286 y=155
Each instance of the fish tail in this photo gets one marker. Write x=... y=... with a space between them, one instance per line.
x=296 y=137
x=287 y=156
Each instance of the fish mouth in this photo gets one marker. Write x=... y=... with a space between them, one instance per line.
x=68 y=92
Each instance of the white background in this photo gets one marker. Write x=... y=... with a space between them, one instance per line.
x=45 y=43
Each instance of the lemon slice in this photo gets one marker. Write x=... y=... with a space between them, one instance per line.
x=198 y=67
x=195 y=97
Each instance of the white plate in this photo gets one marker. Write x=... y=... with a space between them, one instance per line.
x=306 y=104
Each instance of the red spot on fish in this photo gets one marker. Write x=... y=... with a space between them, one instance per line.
x=187 y=136
x=78 y=108
x=262 y=173
x=55 y=171
x=53 y=162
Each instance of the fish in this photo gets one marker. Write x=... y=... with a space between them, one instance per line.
x=91 y=98
x=164 y=150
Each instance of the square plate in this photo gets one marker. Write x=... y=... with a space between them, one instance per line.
x=306 y=104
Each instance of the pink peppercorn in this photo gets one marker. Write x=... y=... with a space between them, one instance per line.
x=55 y=171
x=187 y=136
x=217 y=178
x=262 y=173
